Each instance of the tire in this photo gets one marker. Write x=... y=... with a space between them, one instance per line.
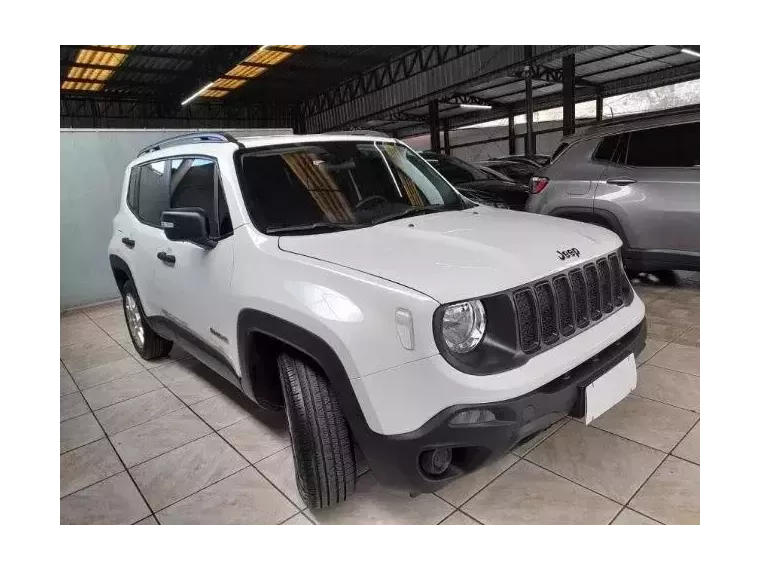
x=152 y=346
x=323 y=449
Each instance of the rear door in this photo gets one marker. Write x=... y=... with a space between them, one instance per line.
x=653 y=188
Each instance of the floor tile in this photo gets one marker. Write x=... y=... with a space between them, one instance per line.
x=73 y=405
x=674 y=388
x=459 y=518
x=221 y=411
x=79 y=431
x=243 y=498
x=690 y=337
x=462 y=489
x=280 y=470
x=151 y=439
x=375 y=504
x=81 y=332
x=255 y=439
x=173 y=476
x=67 y=384
x=522 y=449
x=689 y=448
x=102 y=309
x=115 y=391
x=674 y=311
x=650 y=349
x=113 y=324
x=627 y=516
x=138 y=410
x=74 y=317
x=646 y=421
x=679 y=358
x=78 y=357
x=87 y=465
x=298 y=519
x=190 y=380
x=112 y=501
x=528 y=494
x=664 y=330
x=671 y=495
x=600 y=461
x=108 y=371
x=148 y=520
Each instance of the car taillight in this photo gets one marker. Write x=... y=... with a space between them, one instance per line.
x=538 y=183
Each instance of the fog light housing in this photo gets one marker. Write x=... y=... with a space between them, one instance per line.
x=435 y=461
x=472 y=417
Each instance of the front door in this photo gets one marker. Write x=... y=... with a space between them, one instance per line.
x=195 y=281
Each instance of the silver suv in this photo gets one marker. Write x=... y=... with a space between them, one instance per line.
x=636 y=176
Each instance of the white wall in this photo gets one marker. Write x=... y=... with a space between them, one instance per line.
x=92 y=171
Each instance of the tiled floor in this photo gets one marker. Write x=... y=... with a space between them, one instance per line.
x=169 y=442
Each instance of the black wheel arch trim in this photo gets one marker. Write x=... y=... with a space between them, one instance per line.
x=117 y=263
x=588 y=214
x=313 y=346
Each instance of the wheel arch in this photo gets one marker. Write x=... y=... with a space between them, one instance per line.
x=593 y=216
x=121 y=271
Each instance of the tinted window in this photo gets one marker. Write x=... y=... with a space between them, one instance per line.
x=132 y=191
x=153 y=195
x=195 y=184
x=606 y=149
x=457 y=171
x=677 y=145
x=351 y=183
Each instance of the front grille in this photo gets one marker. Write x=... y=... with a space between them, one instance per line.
x=555 y=308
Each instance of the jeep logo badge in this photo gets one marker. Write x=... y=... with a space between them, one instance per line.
x=568 y=253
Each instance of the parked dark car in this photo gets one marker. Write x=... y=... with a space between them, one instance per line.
x=480 y=184
x=520 y=168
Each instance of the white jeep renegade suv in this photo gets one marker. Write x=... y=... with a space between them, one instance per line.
x=342 y=278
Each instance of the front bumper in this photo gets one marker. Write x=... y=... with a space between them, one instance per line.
x=395 y=459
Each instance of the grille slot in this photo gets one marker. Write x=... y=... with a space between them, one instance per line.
x=548 y=312
x=617 y=280
x=580 y=295
x=594 y=301
x=605 y=285
x=527 y=320
x=565 y=305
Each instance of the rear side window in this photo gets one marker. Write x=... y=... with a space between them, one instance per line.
x=605 y=150
x=673 y=146
x=132 y=190
x=153 y=197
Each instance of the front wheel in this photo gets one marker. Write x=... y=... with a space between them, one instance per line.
x=323 y=450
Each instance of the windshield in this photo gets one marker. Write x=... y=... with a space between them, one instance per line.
x=333 y=186
x=457 y=171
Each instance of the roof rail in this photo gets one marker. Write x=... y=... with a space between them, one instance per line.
x=189 y=138
x=360 y=132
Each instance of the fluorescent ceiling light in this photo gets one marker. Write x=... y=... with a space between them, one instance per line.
x=473 y=106
x=690 y=52
x=194 y=95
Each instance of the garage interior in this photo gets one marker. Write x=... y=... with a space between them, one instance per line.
x=170 y=442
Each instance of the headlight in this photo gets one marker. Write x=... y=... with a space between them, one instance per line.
x=463 y=326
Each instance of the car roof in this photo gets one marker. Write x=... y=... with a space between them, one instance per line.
x=636 y=122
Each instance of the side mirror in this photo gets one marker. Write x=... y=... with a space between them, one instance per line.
x=187 y=224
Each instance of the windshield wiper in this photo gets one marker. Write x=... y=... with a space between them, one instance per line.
x=413 y=211
x=316 y=226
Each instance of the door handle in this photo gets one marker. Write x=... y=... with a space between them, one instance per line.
x=166 y=258
x=130 y=243
x=622 y=181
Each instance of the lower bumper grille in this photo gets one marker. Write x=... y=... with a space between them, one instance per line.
x=559 y=306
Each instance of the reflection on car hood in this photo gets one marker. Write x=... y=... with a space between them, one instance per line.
x=460 y=254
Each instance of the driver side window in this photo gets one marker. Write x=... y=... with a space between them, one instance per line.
x=195 y=183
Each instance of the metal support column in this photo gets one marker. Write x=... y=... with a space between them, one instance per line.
x=530 y=137
x=512 y=138
x=568 y=94
x=599 y=105
x=446 y=142
x=435 y=127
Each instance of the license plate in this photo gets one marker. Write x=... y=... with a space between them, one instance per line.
x=610 y=388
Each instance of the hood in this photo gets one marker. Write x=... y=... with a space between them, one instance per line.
x=457 y=255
